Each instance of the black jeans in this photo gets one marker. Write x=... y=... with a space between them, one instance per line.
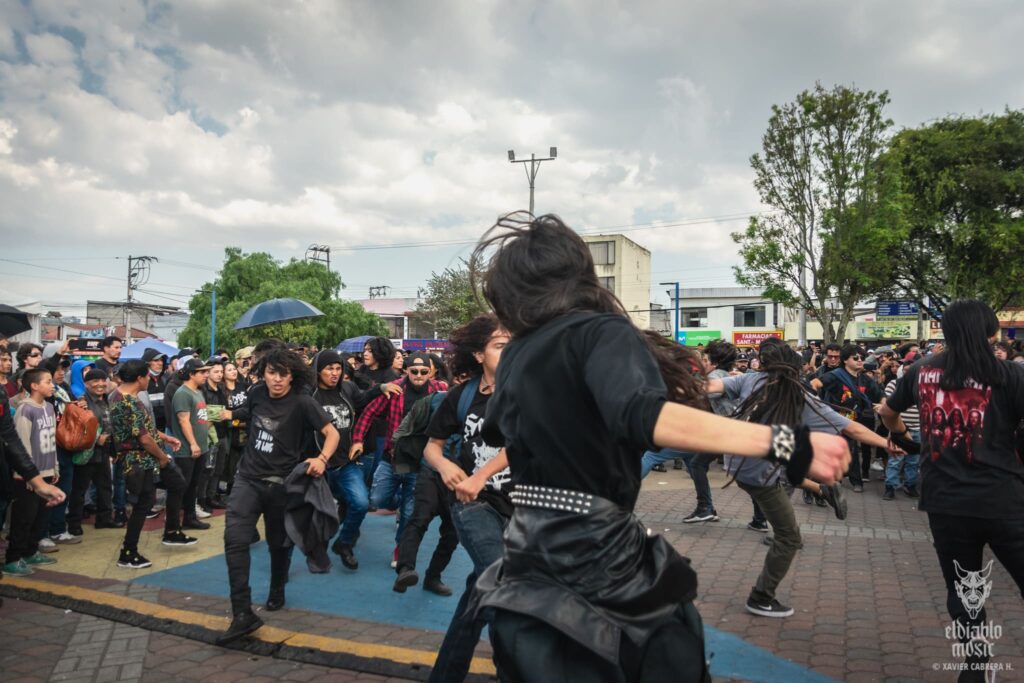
x=194 y=472
x=85 y=475
x=962 y=540
x=430 y=499
x=214 y=465
x=141 y=487
x=29 y=517
x=697 y=465
x=249 y=499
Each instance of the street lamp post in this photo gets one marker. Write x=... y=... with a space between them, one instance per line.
x=534 y=166
x=676 y=337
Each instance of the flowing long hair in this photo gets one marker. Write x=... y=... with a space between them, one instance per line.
x=533 y=270
x=781 y=397
x=967 y=325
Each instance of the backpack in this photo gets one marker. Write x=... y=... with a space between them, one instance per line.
x=77 y=428
x=411 y=438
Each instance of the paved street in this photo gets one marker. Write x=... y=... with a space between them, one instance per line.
x=870 y=606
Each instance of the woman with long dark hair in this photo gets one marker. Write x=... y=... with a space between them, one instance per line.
x=972 y=478
x=582 y=592
x=379 y=356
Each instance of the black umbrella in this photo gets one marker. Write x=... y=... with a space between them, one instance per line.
x=277 y=311
x=13 y=321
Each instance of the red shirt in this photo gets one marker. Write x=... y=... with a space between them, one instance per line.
x=395 y=408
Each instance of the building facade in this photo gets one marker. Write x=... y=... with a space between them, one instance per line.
x=740 y=315
x=624 y=267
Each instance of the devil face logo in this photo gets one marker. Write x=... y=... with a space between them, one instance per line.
x=973 y=588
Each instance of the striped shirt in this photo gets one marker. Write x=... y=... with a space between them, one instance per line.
x=911 y=416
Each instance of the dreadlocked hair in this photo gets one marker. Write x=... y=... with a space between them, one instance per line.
x=780 y=398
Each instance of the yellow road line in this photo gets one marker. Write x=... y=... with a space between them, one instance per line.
x=269 y=634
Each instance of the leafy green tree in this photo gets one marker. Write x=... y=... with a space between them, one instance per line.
x=835 y=211
x=248 y=279
x=964 y=182
x=449 y=300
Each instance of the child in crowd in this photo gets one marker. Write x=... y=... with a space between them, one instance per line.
x=36 y=424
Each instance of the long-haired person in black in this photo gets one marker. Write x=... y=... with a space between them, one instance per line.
x=582 y=592
x=972 y=477
x=378 y=358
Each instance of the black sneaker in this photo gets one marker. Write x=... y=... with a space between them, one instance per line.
x=242 y=625
x=153 y=514
x=76 y=531
x=121 y=517
x=344 y=551
x=678 y=464
x=437 y=587
x=758 y=525
x=178 y=538
x=194 y=523
x=772 y=609
x=700 y=515
x=406 y=577
x=808 y=498
x=833 y=496
x=890 y=493
x=911 y=492
x=131 y=559
x=658 y=468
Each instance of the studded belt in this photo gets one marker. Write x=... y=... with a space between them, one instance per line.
x=547 y=498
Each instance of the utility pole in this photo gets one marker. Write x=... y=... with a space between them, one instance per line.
x=676 y=337
x=319 y=253
x=138 y=275
x=534 y=166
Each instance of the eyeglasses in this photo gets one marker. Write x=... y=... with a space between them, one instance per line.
x=856 y=358
x=422 y=372
x=35 y=354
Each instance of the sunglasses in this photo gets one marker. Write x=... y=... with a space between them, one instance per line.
x=856 y=358
x=34 y=354
x=422 y=372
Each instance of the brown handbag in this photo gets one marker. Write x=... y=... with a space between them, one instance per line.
x=77 y=428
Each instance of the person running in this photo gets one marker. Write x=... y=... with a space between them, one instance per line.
x=777 y=395
x=137 y=443
x=582 y=592
x=478 y=477
x=391 y=488
x=342 y=400
x=972 y=478
x=280 y=416
x=379 y=357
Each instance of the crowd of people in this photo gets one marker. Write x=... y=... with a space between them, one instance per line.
x=525 y=439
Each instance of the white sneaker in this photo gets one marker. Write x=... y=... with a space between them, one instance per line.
x=876 y=466
x=47 y=546
x=66 y=538
x=201 y=513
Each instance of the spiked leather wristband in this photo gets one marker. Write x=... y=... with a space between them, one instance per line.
x=791 y=447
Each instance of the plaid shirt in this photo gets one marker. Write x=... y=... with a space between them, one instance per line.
x=395 y=408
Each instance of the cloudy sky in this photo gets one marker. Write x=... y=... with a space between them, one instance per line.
x=175 y=129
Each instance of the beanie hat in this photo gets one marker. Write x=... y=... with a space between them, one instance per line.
x=327 y=357
x=95 y=373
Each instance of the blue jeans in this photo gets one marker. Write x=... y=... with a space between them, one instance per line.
x=371 y=461
x=57 y=523
x=652 y=458
x=390 y=489
x=120 y=495
x=913 y=466
x=347 y=484
x=481 y=531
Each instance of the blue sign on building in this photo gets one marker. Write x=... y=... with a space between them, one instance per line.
x=896 y=309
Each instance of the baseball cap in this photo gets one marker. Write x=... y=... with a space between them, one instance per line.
x=152 y=354
x=193 y=366
x=244 y=352
x=417 y=359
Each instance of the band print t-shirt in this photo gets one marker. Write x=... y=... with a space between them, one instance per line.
x=474 y=453
x=278 y=431
x=970 y=459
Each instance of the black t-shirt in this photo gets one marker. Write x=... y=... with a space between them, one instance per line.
x=576 y=404
x=970 y=464
x=412 y=395
x=341 y=409
x=106 y=366
x=278 y=431
x=474 y=452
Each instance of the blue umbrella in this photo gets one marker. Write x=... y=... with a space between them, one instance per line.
x=277 y=311
x=353 y=345
x=133 y=351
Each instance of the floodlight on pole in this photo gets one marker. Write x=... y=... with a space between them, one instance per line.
x=534 y=166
